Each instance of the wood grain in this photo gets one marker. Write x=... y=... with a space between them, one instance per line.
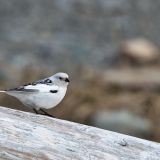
x=27 y=136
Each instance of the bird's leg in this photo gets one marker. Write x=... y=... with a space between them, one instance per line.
x=45 y=113
x=35 y=111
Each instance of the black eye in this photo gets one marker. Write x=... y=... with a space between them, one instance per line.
x=60 y=78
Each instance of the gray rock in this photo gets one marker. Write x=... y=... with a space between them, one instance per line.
x=123 y=122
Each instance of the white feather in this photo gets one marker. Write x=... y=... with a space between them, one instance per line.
x=2 y=91
x=42 y=87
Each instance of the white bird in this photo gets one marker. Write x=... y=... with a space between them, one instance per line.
x=42 y=94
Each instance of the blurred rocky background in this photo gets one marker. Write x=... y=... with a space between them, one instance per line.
x=110 y=49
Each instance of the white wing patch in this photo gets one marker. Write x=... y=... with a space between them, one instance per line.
x=41 y=87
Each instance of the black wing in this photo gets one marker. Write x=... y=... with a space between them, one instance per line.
x=43 y=81
x=21 y=89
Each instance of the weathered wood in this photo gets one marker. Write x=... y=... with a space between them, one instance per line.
x=27 y=136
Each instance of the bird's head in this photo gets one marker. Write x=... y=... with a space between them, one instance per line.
x=60 y=79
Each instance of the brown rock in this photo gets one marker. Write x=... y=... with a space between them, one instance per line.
x=139 y=50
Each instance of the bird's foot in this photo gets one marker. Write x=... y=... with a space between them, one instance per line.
x=47 y=114
x=43 y=113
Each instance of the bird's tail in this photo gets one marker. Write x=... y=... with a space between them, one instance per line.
x=2 y=91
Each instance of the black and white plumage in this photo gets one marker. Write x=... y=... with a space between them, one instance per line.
x=42 y=94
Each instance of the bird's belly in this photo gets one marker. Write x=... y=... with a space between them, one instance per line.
x=48 y=100
x=42 y=100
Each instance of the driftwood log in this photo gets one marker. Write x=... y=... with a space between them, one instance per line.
x=27 y=136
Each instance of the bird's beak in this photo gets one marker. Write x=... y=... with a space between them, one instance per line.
x=67 y=80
